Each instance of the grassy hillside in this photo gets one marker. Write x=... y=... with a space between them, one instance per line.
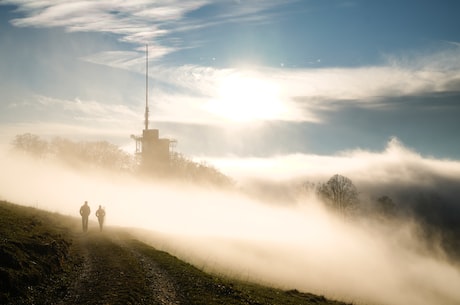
x=44 y=259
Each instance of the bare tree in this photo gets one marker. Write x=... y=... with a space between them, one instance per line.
x=31 y=144
x=182 y=167
x=340 y=193
x=100 y=154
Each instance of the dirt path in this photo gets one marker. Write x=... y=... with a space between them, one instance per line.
x=114 y=271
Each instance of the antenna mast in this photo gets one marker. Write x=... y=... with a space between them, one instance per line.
x=146 y=87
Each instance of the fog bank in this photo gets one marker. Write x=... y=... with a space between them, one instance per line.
x=293 y=246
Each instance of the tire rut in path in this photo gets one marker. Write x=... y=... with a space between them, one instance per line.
x=115 y=273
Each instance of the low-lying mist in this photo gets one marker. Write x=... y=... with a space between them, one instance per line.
x=297 y=244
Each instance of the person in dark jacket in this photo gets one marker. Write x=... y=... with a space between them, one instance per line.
x=85 y=210
x=100 y=214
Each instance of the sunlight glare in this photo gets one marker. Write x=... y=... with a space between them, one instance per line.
x=245 y=99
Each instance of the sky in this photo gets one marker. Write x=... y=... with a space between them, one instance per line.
x=270 y=92
x=243 y=79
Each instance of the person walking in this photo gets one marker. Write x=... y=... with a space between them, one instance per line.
x=100 y=214
x=85 y=210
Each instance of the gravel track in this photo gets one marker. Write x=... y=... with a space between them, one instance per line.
x=113 y=272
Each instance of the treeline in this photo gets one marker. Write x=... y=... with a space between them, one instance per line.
x=107 y=156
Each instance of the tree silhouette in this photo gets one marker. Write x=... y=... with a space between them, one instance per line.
x=340 y=193
x=386 y=206
x=31 y=144
x=104 y=155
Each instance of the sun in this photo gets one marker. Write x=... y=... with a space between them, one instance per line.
x=245 y=99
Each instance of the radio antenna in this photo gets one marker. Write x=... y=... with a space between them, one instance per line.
x=146 y=121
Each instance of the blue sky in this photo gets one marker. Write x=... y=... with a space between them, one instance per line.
x=236 y=78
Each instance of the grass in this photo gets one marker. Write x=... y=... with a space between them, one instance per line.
x=35 y=248
x=203 y=288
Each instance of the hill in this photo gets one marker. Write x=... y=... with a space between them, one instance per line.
x=45 y=259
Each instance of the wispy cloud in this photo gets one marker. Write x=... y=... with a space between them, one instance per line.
x=81 y=118
x=189 y=93
x=86 y=110
x=139 y=22
x=306 y=92
x=400 y=75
